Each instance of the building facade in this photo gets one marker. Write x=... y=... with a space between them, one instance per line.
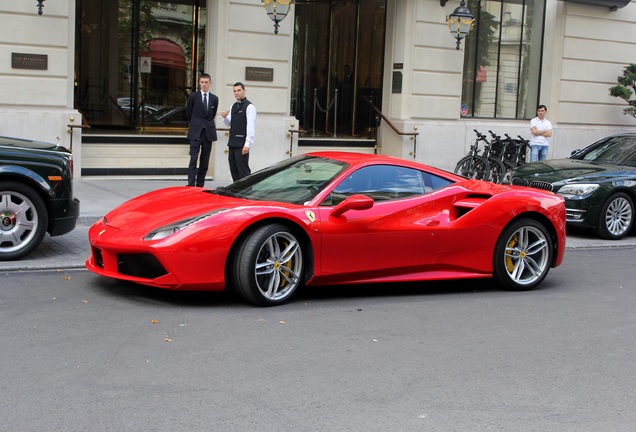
x=110 y=78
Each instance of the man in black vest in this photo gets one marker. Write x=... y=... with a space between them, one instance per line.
x=242 y=122
x=201 y=110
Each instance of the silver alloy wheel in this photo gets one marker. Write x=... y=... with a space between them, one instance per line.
x=527 y=255
x=279 y=264
x=618 y=217
x=19 y=221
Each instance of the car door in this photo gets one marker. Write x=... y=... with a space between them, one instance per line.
x=400 y=234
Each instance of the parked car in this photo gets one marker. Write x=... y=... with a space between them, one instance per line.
x=598 y=184
x=170 y=116
x=36 y=195
x=331 y=218
x=125 y=103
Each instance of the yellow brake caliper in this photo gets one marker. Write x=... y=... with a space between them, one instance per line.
x=278 y=265
x=510 y=265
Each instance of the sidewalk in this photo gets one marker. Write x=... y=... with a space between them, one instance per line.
x=98 y=195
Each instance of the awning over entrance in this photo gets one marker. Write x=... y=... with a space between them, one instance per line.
x=165 y=53
x=611 y=4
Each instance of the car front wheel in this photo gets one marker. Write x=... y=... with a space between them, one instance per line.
x=523 y=255
x=269 y=266
x=23 y=220
x=616 y=218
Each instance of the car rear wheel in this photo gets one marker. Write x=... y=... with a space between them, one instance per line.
x=23 y=220
x=616 y=218
x=269 y=266
x=523 y=255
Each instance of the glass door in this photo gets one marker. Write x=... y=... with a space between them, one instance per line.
x=337 y=66
x=137 y=61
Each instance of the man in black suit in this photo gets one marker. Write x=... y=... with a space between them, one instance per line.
x=201 y=110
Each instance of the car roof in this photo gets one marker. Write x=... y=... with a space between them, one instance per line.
x=357 y=159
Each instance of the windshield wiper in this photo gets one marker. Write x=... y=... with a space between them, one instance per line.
x=221 y=190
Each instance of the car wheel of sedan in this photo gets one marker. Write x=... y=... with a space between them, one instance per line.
x=23 y=220
x=616 y=218
x=269 y=266
x=523 y=255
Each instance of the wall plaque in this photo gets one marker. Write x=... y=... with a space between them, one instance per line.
x=259 y=74
x=29 y=61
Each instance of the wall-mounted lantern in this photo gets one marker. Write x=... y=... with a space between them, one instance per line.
x=277 y=10
x=40 y=6
x=460 y=22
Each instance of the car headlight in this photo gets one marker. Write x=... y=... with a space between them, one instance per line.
x=574 y=191
x=168 y=230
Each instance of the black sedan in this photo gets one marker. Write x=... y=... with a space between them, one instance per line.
x=598 y=184
x=36 y=195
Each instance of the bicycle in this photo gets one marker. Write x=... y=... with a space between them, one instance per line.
x=523 y=146
x=504 y=149
x=497 y=167
x=473 y=165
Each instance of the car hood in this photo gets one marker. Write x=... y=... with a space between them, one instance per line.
x=165 y=206
x=17 y=143
x=570 y=170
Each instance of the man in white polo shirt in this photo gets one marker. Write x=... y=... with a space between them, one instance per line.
x=541 y=129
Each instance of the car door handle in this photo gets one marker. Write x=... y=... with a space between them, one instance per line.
x=433 y=222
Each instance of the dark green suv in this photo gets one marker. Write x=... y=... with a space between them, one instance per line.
x=36 y=195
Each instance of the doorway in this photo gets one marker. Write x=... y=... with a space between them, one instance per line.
x=137 y=61
x=337 y=66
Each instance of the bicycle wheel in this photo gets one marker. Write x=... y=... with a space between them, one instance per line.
x=497 y=170
x=475 y=167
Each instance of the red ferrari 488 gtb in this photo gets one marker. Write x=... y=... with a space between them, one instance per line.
x=331 y=218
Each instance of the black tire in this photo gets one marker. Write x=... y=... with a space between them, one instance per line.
x=523 y=255
x=23 y=220
x=269 y=266
x=616 y=218
x=497 y=170
x=475 y=167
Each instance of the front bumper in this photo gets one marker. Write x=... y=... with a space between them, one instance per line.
x=64 y=214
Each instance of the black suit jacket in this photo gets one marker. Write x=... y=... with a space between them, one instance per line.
x=195 y=112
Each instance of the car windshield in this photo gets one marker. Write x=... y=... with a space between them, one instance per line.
x=619 y=150
x=295 y=181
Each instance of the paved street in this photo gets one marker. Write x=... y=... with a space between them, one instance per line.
x=85 y=353
x=82 y=352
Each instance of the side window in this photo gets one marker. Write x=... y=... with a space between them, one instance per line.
x=380 y=182
x=433 y=182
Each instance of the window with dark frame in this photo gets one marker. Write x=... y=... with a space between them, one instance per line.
x=502 y=59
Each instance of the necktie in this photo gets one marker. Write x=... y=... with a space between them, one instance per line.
x=205 y=101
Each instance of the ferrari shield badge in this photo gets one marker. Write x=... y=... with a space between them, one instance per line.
x=310 y=215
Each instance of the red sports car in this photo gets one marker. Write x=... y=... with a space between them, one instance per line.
x=331 y=218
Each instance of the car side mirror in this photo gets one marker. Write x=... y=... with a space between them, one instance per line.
x=354 y=202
